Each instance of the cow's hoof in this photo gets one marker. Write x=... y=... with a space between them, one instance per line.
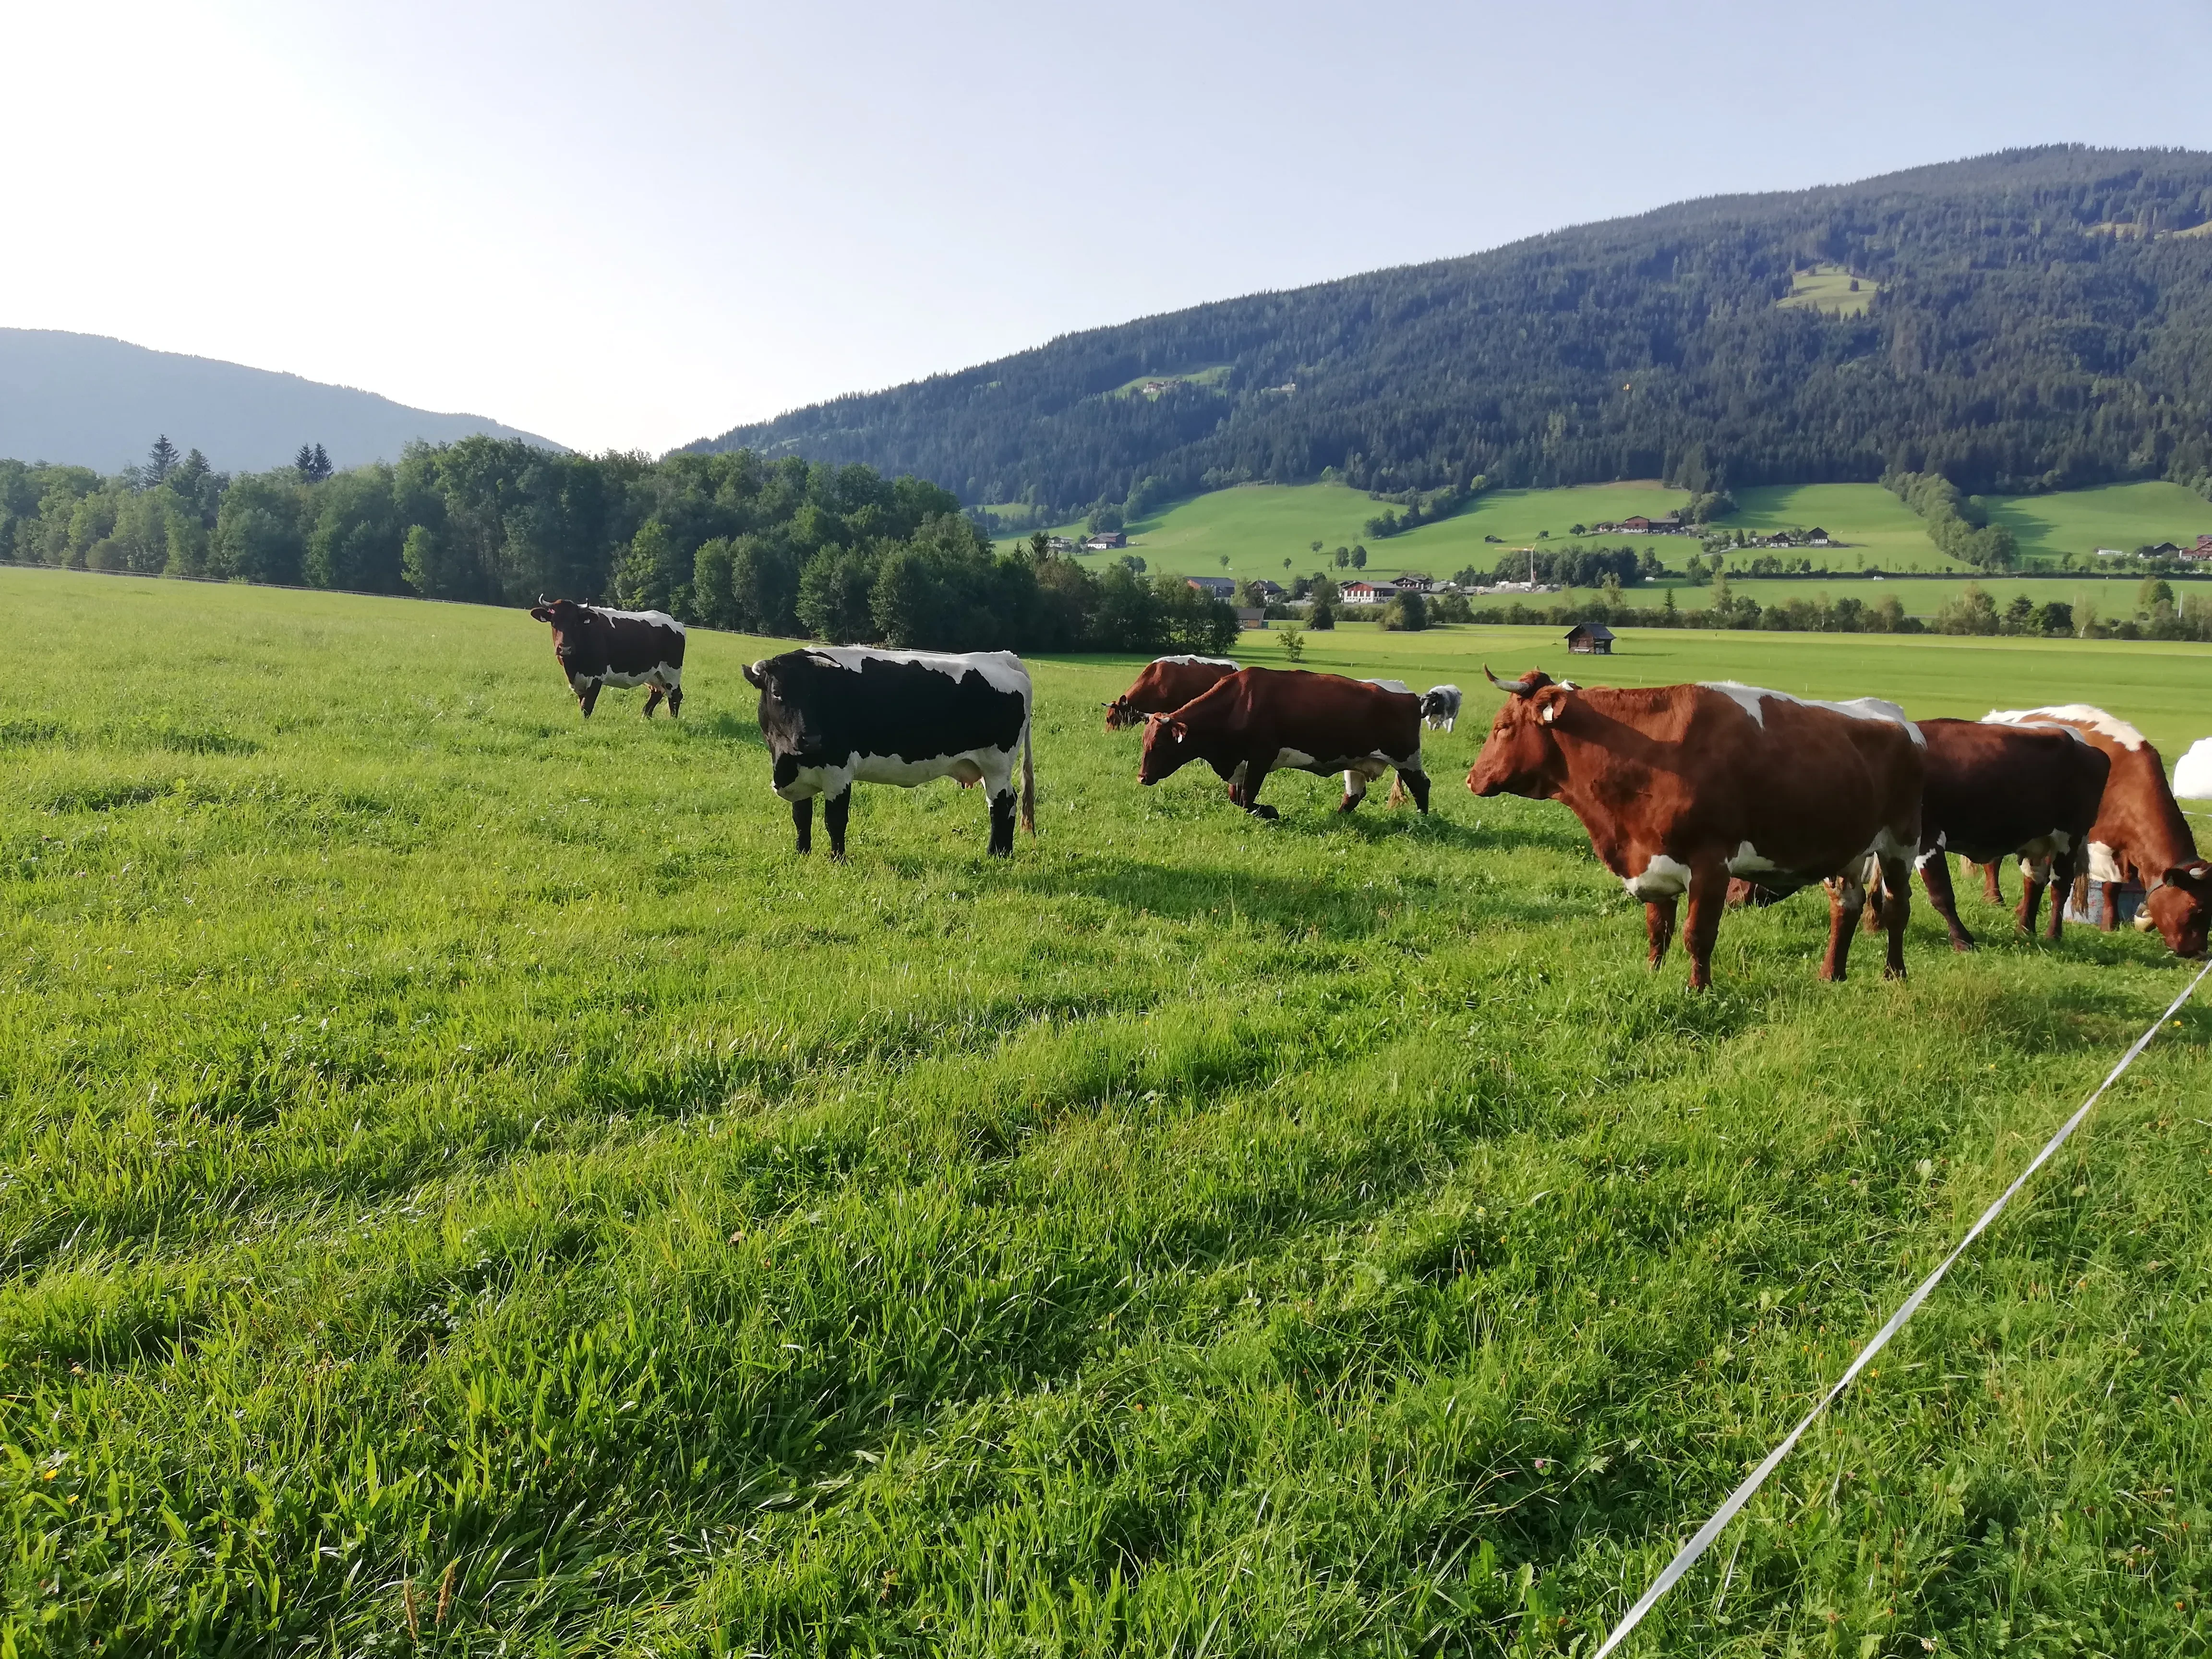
x=1963 y=946
x=1893 y=973
x=1266 y=812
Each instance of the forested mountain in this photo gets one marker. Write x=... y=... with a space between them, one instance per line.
x=85 y=400
x=2034 y=320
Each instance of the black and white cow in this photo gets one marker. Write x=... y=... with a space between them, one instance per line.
x=1440 y=707
x=598 y=647
x=836 y=715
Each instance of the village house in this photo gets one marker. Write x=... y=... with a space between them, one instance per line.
x=1105 y=541
x=1367 y=592
x=1214 y=587
x=1270 y=592
x=1414 y=582
x=1249 y=617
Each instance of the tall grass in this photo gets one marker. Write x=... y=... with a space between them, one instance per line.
x=469 y=1188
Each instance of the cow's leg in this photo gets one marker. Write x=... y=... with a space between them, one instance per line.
x=1002 y=824
x=1709 y=884
x=2108 y=919
x=1248 y=791
x=588 y=698
x=651 y=700
x=675 y=701
x=802 y=820
x=1935 y=877
x=1992 y=887
x=1846 y=899
x=2062 y=881
x=835 y=810
x=2034 y=876
x=1355 y=791
x=1415 y=783
x=1897 y=910
x=1659 y=927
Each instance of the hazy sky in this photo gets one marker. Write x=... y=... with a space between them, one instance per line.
x=633 y=225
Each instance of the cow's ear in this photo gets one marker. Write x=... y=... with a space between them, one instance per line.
x=543 y=613
x=755 y=674
x=1178 y=730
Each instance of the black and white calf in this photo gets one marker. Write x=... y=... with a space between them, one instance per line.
x=836 y=715
x=1440 y=707
x=598 y=647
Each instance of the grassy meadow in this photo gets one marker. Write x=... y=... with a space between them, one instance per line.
x=469 y=1189
x=1255 y=527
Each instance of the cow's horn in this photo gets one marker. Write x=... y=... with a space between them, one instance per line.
x=1511 y=688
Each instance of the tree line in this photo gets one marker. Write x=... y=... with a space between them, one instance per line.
x=733 y=540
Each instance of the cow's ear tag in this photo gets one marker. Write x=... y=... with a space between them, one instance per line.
x=1178 y=731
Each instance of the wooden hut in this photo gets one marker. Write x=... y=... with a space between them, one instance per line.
x=1590 y=640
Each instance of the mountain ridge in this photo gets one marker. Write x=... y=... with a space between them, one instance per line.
x=2031 y=323
x=95 y=400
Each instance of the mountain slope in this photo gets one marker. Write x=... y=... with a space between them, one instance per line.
x=85 y=400
x=2026 y=320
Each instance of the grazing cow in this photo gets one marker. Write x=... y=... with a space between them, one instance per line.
x=1682 y=786
x=2140 y=832
x=834 y=715
x=1995 y=791
x=1440 y=707
x=1166 y=685
x=598 y=647
x=1259 y=720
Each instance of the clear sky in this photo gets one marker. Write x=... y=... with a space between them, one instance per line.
x=628 y=226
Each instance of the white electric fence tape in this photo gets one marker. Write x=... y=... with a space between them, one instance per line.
x=1697 y=1546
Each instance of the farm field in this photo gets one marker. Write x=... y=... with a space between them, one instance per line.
x=2114 y=597
x=1260 y=526
x=470 y=1188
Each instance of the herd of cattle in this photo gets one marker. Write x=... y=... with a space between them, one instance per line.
x=1713 y=791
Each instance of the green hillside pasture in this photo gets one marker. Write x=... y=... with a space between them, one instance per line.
x=2126 y=516
x=1831 y=289
x=2114 y=597
x=1260 y=526
x=470 y=1190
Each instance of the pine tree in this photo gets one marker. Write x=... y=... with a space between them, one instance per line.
x=312 y=463
x=160 y=461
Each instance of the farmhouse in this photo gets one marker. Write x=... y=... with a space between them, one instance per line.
x=1214 y=587
x=1367 y=592
x=1267 y=590
x=1590 y=640
x=1414 y=582
x=1104 y=541
x=1059 y=544
x=1249 y=617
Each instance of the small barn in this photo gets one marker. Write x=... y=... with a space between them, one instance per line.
x=1590 y=640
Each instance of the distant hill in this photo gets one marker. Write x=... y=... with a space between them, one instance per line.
x=85 y=400
x=2030 y=320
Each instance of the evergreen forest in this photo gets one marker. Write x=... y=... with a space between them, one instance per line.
x=2031 y=320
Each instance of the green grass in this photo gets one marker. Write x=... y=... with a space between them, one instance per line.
x=1831 y=289
x=469 y=1189
x=1257 y=526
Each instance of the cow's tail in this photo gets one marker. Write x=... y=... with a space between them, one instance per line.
x=1028 y=773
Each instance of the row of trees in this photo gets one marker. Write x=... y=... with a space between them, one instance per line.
x=728 y=540
x=1956 y=523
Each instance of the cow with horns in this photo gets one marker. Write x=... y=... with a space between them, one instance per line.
x=596 y=647
x=1165 y=685
x=1258 y=721
x=1682 y=786
x=2140 y=832
x=836 y=715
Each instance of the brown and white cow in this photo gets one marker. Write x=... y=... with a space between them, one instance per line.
x=596 y=647
x=1166 y=685
x=1682 y=786
x=1997 y=791
x=2140 y=833
x=1259 y=720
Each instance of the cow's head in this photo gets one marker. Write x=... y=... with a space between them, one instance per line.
x=1520 y=756
x=2179 y=906
x=567 y=618
x=1120 y=712
x=1168 y=748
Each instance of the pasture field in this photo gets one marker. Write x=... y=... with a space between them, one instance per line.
x=2113 y=596
x=469 y=1189
x=1260 y=526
